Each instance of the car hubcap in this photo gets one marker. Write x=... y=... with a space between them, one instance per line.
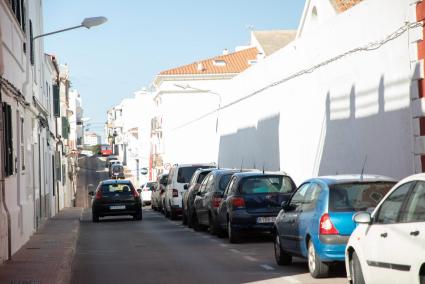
x=311 y=258
x=277 y=247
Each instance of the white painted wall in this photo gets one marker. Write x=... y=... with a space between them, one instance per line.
x=327 y=121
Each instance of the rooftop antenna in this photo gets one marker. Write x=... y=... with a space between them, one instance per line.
x=263 y=167
x=241 y=164
x=364 y=165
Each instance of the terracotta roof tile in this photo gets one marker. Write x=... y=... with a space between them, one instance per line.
x=343 y=5
x=235 y=62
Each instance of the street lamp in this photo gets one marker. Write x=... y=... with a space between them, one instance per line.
x=86 y=23
x=187 y=86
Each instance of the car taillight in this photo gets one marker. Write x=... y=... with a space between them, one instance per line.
x=135 y=193
x=326 y=226
x=175 y=193
x=238 y=202
x=98 y=194
x=216 y=202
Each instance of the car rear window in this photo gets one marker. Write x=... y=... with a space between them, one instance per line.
x=116 y=188
x=224 y=181
x=202 y=176
x=266 y=184
x=359 y=196
x=184 y=174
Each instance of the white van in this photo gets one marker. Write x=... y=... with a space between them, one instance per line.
x=178 y=176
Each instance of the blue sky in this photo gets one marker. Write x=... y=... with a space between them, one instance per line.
x=142 y=38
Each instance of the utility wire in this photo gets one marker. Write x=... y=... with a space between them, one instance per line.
x=368 y=47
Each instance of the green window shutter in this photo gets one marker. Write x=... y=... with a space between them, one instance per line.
x=8 y=139
x=65 y=128
x=56 y=101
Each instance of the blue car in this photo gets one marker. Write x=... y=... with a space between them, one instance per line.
x=316 y=222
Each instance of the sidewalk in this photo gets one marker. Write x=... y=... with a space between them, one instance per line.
x=47 y=257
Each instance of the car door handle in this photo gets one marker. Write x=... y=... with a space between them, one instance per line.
x=414 y=233
x=384 y=235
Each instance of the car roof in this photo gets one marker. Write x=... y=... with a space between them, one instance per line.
x=194 y=165
x=244 y=174
x=116 y=181
x=338 y=179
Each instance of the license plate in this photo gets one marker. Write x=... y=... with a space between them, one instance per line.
x=117 y=207
x=266 y=219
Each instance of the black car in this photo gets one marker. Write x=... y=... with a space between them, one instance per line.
x=190 y=192
x=115 y=198
x=251 y=201
x=208 y=199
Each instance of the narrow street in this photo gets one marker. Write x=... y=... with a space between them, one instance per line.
x=158 y=250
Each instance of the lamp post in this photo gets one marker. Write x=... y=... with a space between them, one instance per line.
x=187 y=86
x=86 y=23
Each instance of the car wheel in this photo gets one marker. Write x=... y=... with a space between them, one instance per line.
x=317 y=268
x=95 y=218
x=232 y=234
x=184 y=218
x=195 y=224
x=189 y=220
x=281 y=256
x=214 y=228
x=356 y=270
x=173 y=214
x=138 y=216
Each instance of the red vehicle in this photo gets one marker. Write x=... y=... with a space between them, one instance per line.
x=105 y=150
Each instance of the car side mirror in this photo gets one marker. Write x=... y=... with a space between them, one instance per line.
x=139 y=190
x=362 y=218
x=186 y=186
x=91 y=193
x=286 y=206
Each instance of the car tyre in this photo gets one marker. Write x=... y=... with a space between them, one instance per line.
x=281 y=256
x=317 y=268
x=214 y=228
x=195 y=224
x=184 y=218
x=189 y=220
x=173 y=214
x=356 y=270
x=138 y=216
x=232 y=234
x=95 y=218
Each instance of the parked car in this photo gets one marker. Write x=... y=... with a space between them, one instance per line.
x=110 y=158
x=147 y=192
x=179 y=175
x=317 y=221
x=189 y=194
x=158 y=192
x=388 y=246
x=116 y=198
x=117 y=171
x=111 y=163
x=252 y=201
x=208 y=199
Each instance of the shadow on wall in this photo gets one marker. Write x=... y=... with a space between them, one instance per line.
x=384 y=137
x=252 y=147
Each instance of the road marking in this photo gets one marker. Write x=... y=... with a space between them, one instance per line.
x=214 y=240
x=235 y=250
x=250 y=258
x=291 y=279
x=267 y=267
x=224 y=245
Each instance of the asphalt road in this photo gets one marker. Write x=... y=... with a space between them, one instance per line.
x=157 y=250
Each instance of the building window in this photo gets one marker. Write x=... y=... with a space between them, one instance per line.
x=8 y=139
x=18 y=9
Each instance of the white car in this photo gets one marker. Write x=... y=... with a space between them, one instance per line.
x=147 y=192
x=388 y=246
x=178 y=176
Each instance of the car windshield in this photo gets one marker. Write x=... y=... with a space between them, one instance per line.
x=150 y=185
x=184 y=174
x=266 y=184
x=114 y=189
x=358 y=196
x=224 y=181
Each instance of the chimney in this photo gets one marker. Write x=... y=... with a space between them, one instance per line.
x=225 y=51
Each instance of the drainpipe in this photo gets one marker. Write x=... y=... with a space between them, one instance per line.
x=2 y=183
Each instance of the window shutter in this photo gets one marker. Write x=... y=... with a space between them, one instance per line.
x=56 y=101
x=31 y=45
x=65 y=128
x=8 y=139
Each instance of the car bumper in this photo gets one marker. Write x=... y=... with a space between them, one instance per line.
x=105 y=209
x=332 y=248
x=248 y=221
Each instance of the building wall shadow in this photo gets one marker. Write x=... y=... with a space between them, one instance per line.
x=252 y=147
